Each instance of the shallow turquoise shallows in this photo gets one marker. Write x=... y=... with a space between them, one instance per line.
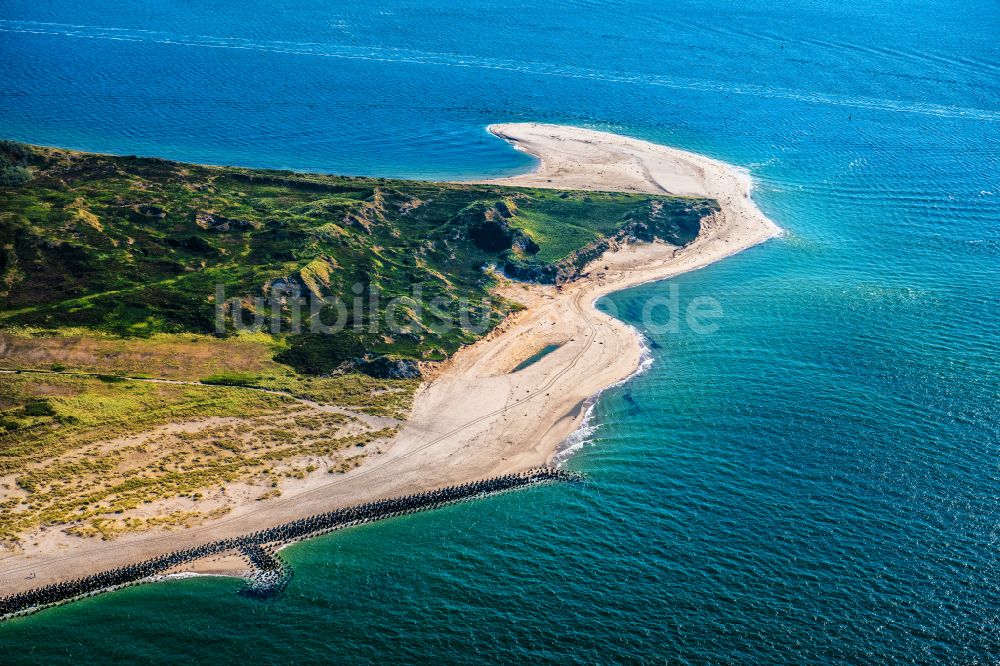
x=817 y=481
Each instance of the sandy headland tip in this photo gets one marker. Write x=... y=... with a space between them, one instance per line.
x=475 y=419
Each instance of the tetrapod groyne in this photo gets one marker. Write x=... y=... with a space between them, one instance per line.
x=258 y=548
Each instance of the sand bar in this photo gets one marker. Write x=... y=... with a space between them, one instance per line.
x=475 y=419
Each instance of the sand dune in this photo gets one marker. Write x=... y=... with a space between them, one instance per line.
x=476 y=418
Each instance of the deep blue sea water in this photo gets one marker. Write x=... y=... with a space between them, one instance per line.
x=816 y=482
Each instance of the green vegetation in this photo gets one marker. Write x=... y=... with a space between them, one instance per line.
x=122 y=404
x=44 y=415
x=101 y=458
x=12 y=171
x=237 y=361
x=134 y=247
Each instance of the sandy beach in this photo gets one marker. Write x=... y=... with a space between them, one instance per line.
x=476 y=418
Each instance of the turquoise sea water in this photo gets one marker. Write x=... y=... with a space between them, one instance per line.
x=817 y=481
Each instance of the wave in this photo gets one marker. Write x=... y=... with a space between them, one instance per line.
x=580 y=437
x=585 y=433
x=183 y=575
x=411 y=56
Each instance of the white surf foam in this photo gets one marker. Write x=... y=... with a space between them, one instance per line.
x=585 y=433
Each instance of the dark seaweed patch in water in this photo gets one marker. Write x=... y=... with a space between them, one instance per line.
x=536 y=357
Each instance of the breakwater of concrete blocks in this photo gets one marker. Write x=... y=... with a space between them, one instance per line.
x=270 y=575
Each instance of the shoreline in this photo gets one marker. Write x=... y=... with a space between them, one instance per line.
x=576 y=439
x=475 y=419
x=268 y=575
x=578 y=158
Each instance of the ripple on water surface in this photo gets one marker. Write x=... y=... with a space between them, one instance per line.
x=814 y=482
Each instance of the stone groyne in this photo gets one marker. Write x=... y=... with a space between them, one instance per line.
x=258 y=548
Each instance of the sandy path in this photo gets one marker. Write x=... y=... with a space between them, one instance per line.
x=476 y=419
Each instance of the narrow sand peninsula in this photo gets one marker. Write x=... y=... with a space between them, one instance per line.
x=477 y=419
